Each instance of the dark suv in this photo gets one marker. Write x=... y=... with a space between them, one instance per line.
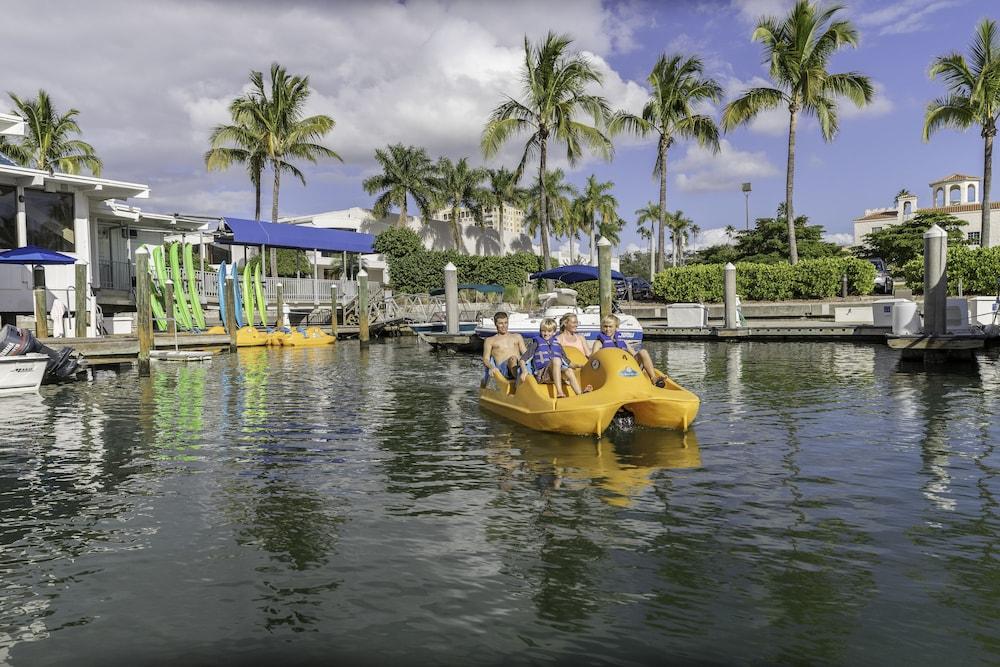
x=641 y=289
x=883 y=281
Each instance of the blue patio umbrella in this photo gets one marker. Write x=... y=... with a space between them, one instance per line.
x=34 y=255
x=574 y=273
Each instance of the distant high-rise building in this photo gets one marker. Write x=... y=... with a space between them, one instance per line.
x=513 y=218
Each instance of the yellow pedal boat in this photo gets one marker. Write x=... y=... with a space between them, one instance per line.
x=618 y=383
x=313 y=337
x=245 y=336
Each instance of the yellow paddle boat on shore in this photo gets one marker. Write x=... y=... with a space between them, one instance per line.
x=618 y=383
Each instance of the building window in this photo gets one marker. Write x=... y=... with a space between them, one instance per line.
x=907 y=208
x=972 y=194
x=8 y=217
x=974 y=238
x=939 y=197
x=874 y=229
x=50 y=220
x=954 y=195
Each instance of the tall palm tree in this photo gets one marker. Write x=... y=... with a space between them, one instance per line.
x=558 y=197
x=406 y=171
x=554 y=95
x=677 y=86
x=973 y=99
x=241 y=142
x=47 y=143
x=650 y=214
x=798 y=49
x=460 y=186
x=597 y=200
x=502 y=191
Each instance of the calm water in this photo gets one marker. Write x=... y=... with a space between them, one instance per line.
x=828 y=507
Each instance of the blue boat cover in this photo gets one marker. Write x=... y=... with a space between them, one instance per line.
x=300 y=237
x=34 y=255
x=574 y=273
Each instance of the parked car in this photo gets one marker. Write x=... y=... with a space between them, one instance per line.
x=883 y=280
x=642 y=290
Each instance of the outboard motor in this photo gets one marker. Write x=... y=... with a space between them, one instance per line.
x=15 y=341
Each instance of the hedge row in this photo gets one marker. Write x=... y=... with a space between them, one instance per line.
x=977 y=268
x=809 y=279
x=420 y=272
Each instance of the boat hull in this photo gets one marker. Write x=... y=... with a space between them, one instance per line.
x=589 y=324
x=618 y=383
x=22 y=374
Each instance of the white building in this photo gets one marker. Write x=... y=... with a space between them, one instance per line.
x=957 y=194
x=513 y=218
x=81 y=216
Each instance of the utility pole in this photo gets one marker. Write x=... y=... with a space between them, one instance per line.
x=746 y=196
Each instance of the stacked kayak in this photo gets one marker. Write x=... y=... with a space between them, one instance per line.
x=618 y=384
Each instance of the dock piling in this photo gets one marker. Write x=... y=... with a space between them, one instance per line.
x=81 y=299
x=935 y=281
x=279 y=318
x=168 y=305
x=363 y=307
x=230 y=313
x=604 y=275
x=729 y=297
x=451 y=298
x=333 y=310
x=843 y=286
x=143 y=308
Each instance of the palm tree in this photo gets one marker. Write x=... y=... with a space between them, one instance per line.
x=554 y=95
x=241 y=142
x=677 y=85
x=406 y=171
x=798 y=50
x=47 y=143
x=460 y=186
x=651 y=214
x=558 y=198
x=902 y=193
x=597 y=200
x=501 y=191
x=680 y=227
x=973 y=99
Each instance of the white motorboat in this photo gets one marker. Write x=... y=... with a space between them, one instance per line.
x=22 y=374
x=555 y=305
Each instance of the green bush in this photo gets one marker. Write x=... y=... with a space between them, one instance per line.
x=977 y=268
x=809 y=279
x=421 y=271
x=398 y=242
x=588 y=293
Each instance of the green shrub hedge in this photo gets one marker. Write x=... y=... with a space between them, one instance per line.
x=421 y=271
x=809 y=279
x=977 y=268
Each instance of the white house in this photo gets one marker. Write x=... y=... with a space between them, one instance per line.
x=959 y=195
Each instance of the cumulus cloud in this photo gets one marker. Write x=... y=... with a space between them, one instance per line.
x=700 y=170
x=839 y=239
x=880 y=105
x=749 y=11
x=426 y=72
x=710 y=237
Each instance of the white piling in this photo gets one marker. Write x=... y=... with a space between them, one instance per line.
x=729 y=296
x=451 y=298
x=935 y=281
x=605 y=289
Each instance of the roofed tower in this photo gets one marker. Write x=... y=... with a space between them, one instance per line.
x=955 y=190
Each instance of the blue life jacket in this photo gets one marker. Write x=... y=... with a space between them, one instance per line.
x=612 y=341
x=545 y=352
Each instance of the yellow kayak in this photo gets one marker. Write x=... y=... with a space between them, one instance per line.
x=618 y=383
x=313 y=337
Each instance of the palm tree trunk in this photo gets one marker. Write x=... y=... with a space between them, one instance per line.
x=661 y=235
x=652 y=268
x=401 y=221
x=793 y=252
x=673 y=249
x=456 y=234
x=543 y=213
x=256 y=192
x=274 y=218
x=503 y=246
x=984 y=237
x=593 y=241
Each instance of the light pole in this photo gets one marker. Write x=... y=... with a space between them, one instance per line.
x=746 y=195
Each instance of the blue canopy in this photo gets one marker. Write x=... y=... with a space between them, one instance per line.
x=574 y=273
x=34 y=255
x=299 y=237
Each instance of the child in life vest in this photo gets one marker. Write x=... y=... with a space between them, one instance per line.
x=549 y=361
x=609 y=337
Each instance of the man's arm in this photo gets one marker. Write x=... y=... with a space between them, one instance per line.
x=521 y=347
x=488 y=352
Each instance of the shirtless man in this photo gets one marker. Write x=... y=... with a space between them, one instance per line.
x=504 y=349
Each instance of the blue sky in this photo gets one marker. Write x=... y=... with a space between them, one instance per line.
x=153 y=81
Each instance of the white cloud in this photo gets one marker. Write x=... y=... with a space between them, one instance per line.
x=700 y=170
x=426 y=72
x=839 y=239
x=750 y=11
x=710 y=237
x=880 y=105
x=773 y=122
x=904 y=17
